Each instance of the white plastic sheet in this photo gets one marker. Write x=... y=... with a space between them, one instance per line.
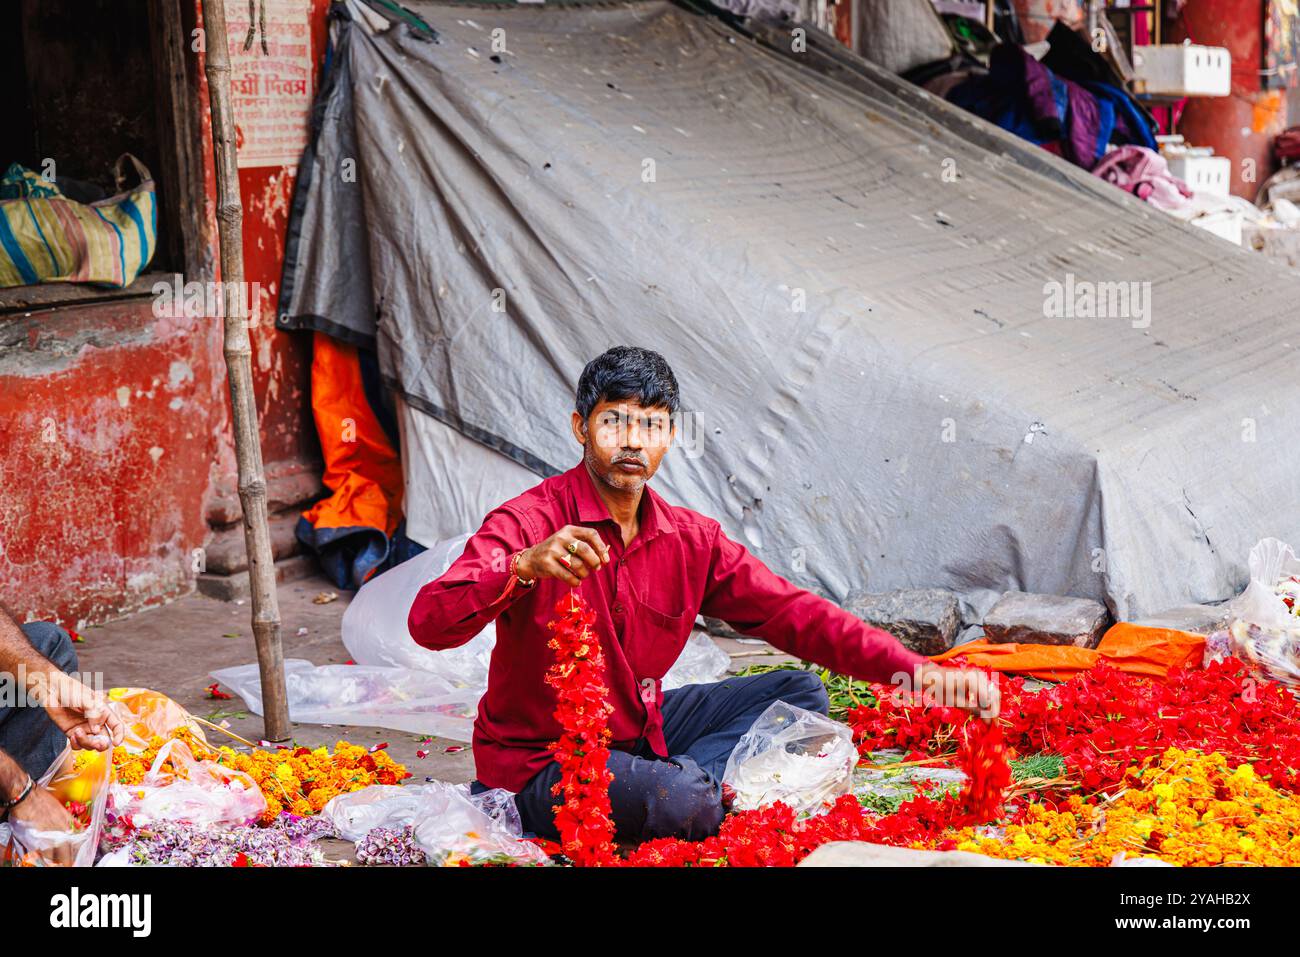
x=397 y=698
x=800 y=758
x=374 y=625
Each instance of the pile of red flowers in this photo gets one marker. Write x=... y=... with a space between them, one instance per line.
x=1104 y=721
x=774 y=836
x=578 y=677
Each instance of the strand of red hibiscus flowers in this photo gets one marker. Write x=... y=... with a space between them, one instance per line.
x=583 y=816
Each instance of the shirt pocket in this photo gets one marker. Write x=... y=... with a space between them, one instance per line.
x=660 y=639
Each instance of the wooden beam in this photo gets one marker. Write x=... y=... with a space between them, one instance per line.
x=239 y=372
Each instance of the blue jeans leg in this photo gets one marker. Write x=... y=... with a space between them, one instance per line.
x=704 y=722
x=26 y=733
x=680 y=796
x=650 y=797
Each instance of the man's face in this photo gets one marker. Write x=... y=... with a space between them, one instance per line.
x=623 y=442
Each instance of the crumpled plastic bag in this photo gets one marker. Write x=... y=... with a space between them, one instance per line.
x=148 y=713
x=81 y=776
x=193 y=791
x=450 y=824
x=701 y=662
x=1263 y=630
x=800 y=758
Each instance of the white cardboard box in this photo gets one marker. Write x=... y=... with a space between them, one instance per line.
x=1182 y=70
x=1204 y=174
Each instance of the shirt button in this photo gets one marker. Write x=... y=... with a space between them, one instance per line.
x=618 y=609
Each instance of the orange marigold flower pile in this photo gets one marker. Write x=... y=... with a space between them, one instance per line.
x=299 y=781
x=1188 y=809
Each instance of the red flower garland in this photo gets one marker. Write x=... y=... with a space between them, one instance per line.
x=582 y=709
x=983 y=756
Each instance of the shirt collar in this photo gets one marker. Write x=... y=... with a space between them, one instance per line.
x=655 y=517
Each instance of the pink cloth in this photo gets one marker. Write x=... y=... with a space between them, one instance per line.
x=1145 y=174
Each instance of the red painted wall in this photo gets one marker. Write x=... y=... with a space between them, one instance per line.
x=115 y=442
x=106 y=452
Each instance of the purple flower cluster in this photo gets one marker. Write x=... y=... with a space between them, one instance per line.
x=287 y=843
x=389 y=847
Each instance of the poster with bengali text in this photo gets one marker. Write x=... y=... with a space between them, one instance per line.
x=270 y=79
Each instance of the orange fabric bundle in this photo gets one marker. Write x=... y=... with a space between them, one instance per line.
x=1135 y=649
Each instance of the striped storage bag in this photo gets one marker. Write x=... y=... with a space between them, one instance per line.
x=46 y=237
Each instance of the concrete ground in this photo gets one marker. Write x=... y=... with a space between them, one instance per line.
x=173 y=649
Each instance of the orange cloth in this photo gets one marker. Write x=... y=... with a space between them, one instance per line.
x=362 y=468
x=1133 y=648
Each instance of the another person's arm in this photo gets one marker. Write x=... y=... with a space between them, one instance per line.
x=746 y=594
x=480 y=585
x=39 y=809
x=80 y=712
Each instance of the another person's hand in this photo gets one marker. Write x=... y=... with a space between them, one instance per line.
x=966 y=688
x=81 y=712
x=571 y=554
x=41 y=811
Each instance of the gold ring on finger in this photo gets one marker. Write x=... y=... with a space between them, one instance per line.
x=572 y=547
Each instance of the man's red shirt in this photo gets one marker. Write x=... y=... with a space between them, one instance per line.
x=646 y=600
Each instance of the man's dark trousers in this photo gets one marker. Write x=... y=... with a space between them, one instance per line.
x=682 y=795
x=27 y=734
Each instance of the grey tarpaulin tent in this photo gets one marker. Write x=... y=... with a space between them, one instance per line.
x=849 y=277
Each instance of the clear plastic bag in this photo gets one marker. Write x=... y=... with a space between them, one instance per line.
x=190 y=791
x=80 y=776
x=397 y=698
x=450 y=824
x=884 y=788
x=800 y=758
x=1264 y=630
x=700 y=662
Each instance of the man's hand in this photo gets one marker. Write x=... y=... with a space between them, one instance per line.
x=571 y=554
x=41 y=811
x=81 y=712
x=966 y=688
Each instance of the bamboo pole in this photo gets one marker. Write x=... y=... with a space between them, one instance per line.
x=239 y=373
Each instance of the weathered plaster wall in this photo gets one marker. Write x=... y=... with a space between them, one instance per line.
x=116 y=456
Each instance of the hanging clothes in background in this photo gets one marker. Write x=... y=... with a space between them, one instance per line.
x=1023 y=97
x=1072 y=58
x=1070 y=102
x=357 y=531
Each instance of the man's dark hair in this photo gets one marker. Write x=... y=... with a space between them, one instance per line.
x=627 y=372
